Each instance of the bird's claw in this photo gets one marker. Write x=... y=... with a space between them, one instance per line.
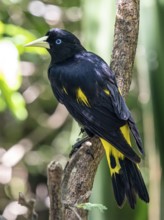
x=78 y=144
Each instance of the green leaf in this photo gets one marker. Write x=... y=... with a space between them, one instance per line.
x=89 y=206
x=20 y=36
x=9 y=65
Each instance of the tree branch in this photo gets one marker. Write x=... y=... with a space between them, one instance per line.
x=30 y=205
x=81 y=168
x=125 y=42
x=55 y=173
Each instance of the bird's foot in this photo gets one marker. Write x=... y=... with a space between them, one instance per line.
x=82 y=130
x=78 y=144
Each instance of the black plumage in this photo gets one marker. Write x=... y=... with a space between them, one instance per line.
x=84 y=83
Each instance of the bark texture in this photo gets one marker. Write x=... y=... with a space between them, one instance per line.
x=55 y=173
x=125 y=42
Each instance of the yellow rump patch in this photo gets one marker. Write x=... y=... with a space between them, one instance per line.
x=107 y=91
x=82 y=97
x=111 y=151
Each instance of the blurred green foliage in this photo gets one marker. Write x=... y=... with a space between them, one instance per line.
x=34 y=129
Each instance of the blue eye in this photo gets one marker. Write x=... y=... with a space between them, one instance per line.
x=58 y=41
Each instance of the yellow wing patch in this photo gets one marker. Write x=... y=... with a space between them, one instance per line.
x=82 y=97
x=65 y=91
x=120 y=91
x=107 y=91
x=126 y=133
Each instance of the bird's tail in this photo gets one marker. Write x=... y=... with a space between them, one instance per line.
x=126 y=177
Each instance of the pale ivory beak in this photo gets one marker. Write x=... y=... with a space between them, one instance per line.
x=41 y=42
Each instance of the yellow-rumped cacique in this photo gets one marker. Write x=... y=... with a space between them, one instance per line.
x=85 y=84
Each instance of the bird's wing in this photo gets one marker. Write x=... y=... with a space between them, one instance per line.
x=119 y=106
x=101 y=121
x=105 y=79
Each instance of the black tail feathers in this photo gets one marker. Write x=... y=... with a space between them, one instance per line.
x=128 y=183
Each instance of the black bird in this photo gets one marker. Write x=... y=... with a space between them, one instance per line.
x=84 y=83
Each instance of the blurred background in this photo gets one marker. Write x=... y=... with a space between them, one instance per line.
x=35 y=129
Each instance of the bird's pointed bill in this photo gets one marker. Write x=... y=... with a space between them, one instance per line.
x=41 y=42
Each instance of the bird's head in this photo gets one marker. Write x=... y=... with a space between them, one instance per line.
x=60 y=44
